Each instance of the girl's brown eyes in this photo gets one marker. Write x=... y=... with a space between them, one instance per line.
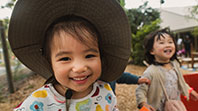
x=68 y=58
x=65 y=59
x=90 y=56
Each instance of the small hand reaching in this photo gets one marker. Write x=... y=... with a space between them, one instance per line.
x=144 y=80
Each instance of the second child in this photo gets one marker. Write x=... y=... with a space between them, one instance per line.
x=160 y=52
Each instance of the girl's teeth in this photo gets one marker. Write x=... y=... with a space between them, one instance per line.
x=78 y=79
x=167 y=51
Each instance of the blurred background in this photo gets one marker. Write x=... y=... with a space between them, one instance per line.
x=145 y=16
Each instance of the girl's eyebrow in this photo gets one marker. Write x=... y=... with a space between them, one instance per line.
x=62 y=53
x=67 y=52
x=91 y=50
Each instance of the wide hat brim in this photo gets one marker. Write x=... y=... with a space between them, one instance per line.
x=31 y=18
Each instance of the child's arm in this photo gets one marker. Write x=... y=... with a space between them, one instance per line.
x=142 y=91
x=128 y=78
x=141 y=95
x=144 y=80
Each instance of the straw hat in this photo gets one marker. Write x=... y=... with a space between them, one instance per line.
x=31 y=18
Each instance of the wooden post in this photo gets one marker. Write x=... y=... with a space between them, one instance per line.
x=6 y=58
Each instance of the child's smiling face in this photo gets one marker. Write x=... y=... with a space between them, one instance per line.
x=76 y=65
x=163 y=48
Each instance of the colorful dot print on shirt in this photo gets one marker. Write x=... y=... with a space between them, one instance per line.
x=108 y=97
x=21 y=109
x=101 y=98
x=40 y=94
x=36 y=106
x=96 y=92
x=107 y=108
x=83 y=105
x=18 y=105
x=99 y=108
x=46 y=86
x=107 y=87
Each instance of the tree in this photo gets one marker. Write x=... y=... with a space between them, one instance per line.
x=137 y=41
x=141 y=16
x=194 y=15
x=6 y=58
x=143 y=20
x=10 y=5
x=3 y=28
x=194 y=12
x=195 y=34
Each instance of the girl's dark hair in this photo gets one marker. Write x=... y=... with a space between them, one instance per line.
x=74 y=26
x=149 y=41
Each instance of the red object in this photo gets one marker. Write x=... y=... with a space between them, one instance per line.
x=192 y=80
x=36 y=107
x=144 y=109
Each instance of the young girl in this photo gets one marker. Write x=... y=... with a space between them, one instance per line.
x=160 y=51
x=73 y=44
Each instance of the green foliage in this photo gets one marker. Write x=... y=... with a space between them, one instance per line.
x=194 y=12
x=122 y=3
x=141 y=16
x=195 y=32
x=10 y=4
x=6 y=22
x=137 y=41
x=143 y=20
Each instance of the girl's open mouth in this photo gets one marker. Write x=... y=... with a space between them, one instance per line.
x=80 y=80
x=168 y=51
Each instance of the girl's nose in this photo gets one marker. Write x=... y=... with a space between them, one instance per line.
x=168 y=44
x=79 y=67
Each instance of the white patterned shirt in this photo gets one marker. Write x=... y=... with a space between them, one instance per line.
x=47 y=98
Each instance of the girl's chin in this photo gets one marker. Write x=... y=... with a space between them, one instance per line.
x=81 y=92
x=82 y=89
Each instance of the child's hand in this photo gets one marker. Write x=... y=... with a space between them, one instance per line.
x=144 y=80
x=148 y=106
x=194 y=95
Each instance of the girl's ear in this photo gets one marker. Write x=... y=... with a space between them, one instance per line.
x=152 y=52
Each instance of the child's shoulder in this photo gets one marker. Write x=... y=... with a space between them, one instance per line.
x=99 y=82
x=151 y=71
x=103 y=85
x=36 y=99
x=150 y=68
x=43 y=91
